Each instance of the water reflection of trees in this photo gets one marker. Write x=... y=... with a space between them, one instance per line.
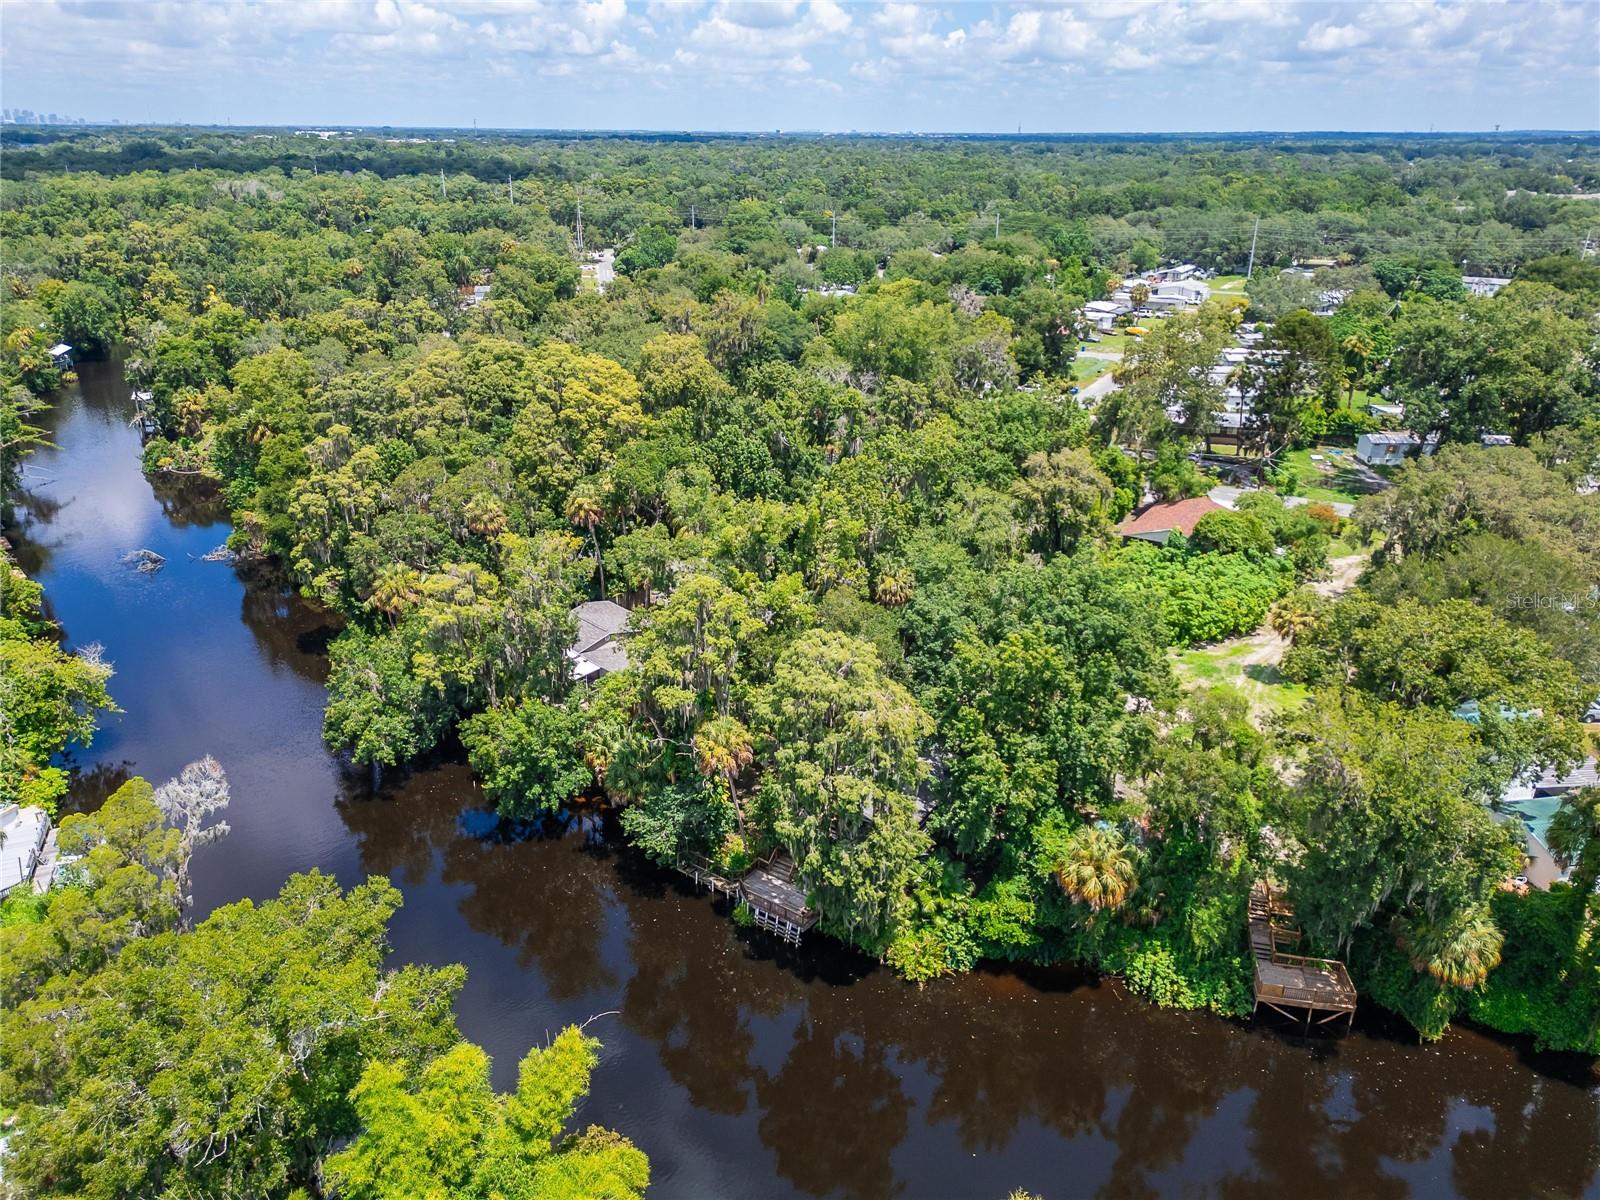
x=820 y=1046
x=290 y=631
x=693 y=991
x=834 y=1113
x=540 y=893
x=24 y=516
x=189 y=501
x=91 y=787
x=548 y=898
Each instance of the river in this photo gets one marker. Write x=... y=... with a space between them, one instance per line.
x=743 y=1069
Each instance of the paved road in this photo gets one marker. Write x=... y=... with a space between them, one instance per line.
x=1100 y=387
x=602 y=267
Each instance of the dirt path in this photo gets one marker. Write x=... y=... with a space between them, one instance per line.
x=1342 y=575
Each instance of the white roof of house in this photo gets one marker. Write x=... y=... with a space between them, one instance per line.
x=1392 y=438
x=25 y=830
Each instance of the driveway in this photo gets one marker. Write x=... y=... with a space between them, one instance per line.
x=1100 y=387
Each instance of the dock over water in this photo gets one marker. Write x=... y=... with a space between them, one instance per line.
x=1294 y=985
x=775 y=900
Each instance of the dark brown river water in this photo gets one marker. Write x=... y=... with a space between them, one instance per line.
x=744 y=1070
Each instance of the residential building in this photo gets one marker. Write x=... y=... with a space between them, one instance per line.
x=598 y=650
x=1391 y=447
x=1180 y=294
x=23 y=832
x=1175 y=273
x=1533 y=800
x=1102 y=314
x=1158 y=522
x=1483 y=285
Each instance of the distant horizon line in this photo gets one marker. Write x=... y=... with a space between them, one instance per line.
x=624 y=131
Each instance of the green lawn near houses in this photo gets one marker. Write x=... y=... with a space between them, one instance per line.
x=1110 y=341
x=1332 y=475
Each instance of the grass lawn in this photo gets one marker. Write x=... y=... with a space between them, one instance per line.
x=1232 y=663
x=1109 y=341
x=1085 y=369
x=1351 y=542
x=1227 y=283
x=1332 y=478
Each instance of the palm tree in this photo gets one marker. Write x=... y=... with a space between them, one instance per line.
x=723 y=747
x=895 y=588
x=1358 y=348
x=484 y=516
x=1295 y=613
x=584 y=511
x=395 y=590
x=1097 y=869
x=1459 y=952
x=1574 y=837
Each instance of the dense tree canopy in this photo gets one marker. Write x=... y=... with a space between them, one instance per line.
x=864 y=516
x=143 y=1057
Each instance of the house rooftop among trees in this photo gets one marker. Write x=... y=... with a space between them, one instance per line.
x=1158 y=522
x=598 y=651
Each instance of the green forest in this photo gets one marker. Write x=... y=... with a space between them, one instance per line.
x=826 y=435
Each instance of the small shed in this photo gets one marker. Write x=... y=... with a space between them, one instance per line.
x=61 y=355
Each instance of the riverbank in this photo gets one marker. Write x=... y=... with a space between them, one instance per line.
x=742 y=1067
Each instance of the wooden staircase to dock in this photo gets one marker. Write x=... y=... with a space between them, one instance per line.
x=1294 y=984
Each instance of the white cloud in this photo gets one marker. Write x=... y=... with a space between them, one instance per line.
x=1323 y=38
x=1206 y=59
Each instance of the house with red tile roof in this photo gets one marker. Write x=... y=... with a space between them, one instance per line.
x=1157 y=522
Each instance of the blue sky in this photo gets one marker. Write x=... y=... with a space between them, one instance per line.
x=811 y=64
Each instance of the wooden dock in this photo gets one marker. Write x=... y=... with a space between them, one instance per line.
x=1294 y=984
x=776 y=901
x=700 y=869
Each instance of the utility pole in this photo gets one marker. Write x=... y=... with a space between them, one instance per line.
x=580 y=226
x=1250 y=270
x=997 y=223
x=443 y=190
x=691 y=216
x=833 y=235
x=512 y=184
